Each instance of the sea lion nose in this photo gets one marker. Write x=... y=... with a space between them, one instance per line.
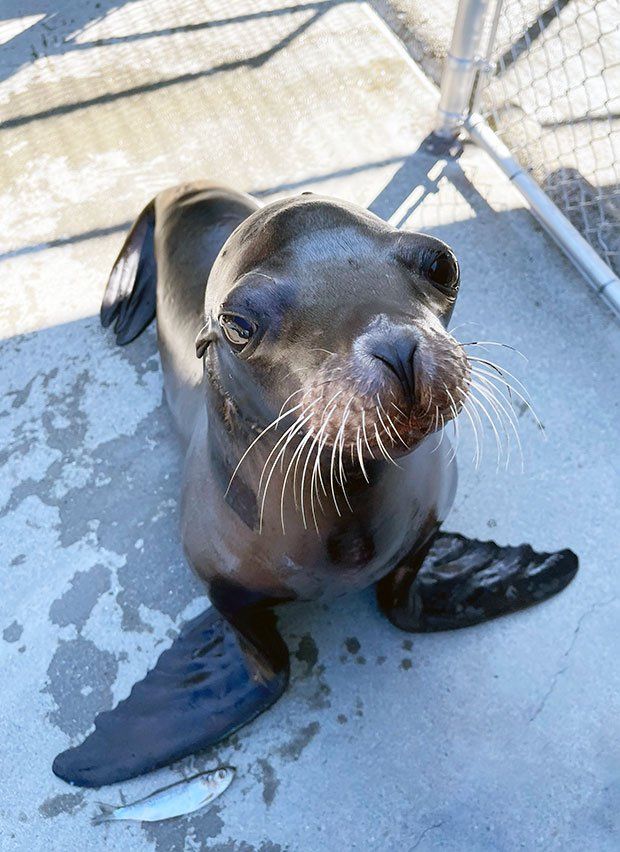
x=397 y=353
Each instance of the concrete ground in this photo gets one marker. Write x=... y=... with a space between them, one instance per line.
x=500 y=737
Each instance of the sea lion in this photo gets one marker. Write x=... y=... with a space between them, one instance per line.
x=324 y=374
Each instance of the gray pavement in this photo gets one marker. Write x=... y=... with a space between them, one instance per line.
x=500 y=737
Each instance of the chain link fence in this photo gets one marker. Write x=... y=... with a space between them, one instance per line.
x=553 y=97
x=536 y=83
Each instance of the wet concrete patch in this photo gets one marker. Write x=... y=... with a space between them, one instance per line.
x=352 y=645
x=13 y=632
x=173 y=835
x=307 y=652
x=267 y=777
x=76 y=604
x=80 y=677
x=63 y=803
x=137 y=508
x=243 y=846
x=293 y=749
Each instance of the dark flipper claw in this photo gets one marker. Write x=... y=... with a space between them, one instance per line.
x=208 y=684
x=463 y=582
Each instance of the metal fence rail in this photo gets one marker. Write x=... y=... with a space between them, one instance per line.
x=537 y=83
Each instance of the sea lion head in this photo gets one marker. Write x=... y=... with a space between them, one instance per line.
x=320 y=312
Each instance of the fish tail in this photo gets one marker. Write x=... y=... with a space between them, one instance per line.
x=105 y=813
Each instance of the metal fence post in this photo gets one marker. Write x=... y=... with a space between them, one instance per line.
x=461 y=66
x=461 y=86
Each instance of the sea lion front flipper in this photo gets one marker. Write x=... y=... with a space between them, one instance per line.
x=463 y=581
x=130 y=295
x=210 y=682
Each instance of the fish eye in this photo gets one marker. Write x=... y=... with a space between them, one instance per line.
x=238 y=331
x=442 y=269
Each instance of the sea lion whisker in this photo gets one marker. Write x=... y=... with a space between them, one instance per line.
x=323 y=443
x=476 y=422
x=400 y=411
x=511 y=389
x=290 y=396
x=285 y=480
x=358 y=444
x=341 y=440
x=430 y=402
x=317 y=473
x=479 y=404
x=501 y=371
x=385 y=428
x=443 y=427
x=299 y=453
x=455 y=423
x=509 y=412
x=257 y=439
x=453 y=449
x=322 y=440
x=332 y=460
x=282 y=438
x=474 y=413
x=365 y=435
x=398 y=435
x=383 y=450
x=392 y=424
x=286 y=437
x=498 y=392
x=477 y=454
x=300 y=424
x=303 y=479
x=483 y=343
x=320 y=473
x=489 y=382
x=489 y=395
x=501 y=414
x=462 y=325
x=338 y=444
x=316 y=443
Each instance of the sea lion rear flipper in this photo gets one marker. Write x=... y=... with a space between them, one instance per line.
x=130 y=295
x=209 y=683
x=463 y=581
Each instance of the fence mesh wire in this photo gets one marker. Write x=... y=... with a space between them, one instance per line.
x=554 y=98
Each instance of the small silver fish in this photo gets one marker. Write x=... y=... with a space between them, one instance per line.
x=182 y=797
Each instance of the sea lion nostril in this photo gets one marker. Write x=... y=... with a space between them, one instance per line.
x=398 y=356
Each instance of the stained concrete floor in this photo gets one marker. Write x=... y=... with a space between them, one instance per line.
x=501 y=737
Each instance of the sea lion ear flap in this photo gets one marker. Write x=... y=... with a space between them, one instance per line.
x=206 y=335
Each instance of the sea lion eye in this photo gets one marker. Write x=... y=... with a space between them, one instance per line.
x=237 y=330
x=442 y=269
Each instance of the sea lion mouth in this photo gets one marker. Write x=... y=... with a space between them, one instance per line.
x=387 y=398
